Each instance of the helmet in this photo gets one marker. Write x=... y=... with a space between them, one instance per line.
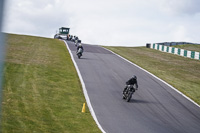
x=134 y=77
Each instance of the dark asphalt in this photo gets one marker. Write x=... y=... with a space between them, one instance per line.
x=154 y=108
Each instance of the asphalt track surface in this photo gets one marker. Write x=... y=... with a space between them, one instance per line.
x=154 y=108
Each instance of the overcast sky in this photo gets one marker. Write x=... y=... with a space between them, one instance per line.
x=107 y=22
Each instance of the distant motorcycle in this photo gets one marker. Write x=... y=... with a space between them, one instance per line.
x=79 y=53
x=127 y=95
x=76 y=42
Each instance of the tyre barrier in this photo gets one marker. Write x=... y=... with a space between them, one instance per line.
x=177 y=51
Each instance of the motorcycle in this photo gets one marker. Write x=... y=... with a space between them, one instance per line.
x=127 y=95
x=76 y=42
x=79 y=53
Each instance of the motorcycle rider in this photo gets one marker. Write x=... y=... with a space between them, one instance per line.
x=79 y=46
x=131 y=81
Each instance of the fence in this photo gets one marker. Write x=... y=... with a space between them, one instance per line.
x=177 y=51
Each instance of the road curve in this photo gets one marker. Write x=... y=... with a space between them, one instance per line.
x=154 y=108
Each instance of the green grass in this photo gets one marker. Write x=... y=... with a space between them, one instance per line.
x=182 y=73
x=42 y=92
x=190 y=47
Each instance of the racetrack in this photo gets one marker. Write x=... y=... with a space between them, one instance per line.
x=154 y=108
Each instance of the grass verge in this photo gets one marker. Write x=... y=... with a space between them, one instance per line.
x=190 y=47
x=182 y=73
x=42 y=92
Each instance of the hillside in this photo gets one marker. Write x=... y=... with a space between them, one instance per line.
x=42 y=92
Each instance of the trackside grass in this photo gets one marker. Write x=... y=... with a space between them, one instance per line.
x=190 y=47
x=182 y=73
x=41 y=91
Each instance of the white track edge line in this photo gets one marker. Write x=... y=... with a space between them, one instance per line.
x=155 y=77
x=84 y=90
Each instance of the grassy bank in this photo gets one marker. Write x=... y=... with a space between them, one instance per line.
x=190 y=47
x=182 y=73
x=42 y=92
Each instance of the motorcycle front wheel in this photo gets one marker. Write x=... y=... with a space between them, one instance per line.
x=129 y=96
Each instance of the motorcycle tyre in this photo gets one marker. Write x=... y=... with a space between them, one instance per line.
x=79 y=55
x=129 y=96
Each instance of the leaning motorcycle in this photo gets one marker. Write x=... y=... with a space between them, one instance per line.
x=127 y=95
x=79 y=53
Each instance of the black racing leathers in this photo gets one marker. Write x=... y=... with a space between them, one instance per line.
x=131 y=81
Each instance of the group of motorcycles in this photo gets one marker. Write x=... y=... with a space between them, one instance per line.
x=74 y=39
x=79 y=52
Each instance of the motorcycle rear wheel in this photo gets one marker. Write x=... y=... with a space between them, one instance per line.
x=79 y=56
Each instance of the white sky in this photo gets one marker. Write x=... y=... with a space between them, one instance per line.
x=107 y=22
